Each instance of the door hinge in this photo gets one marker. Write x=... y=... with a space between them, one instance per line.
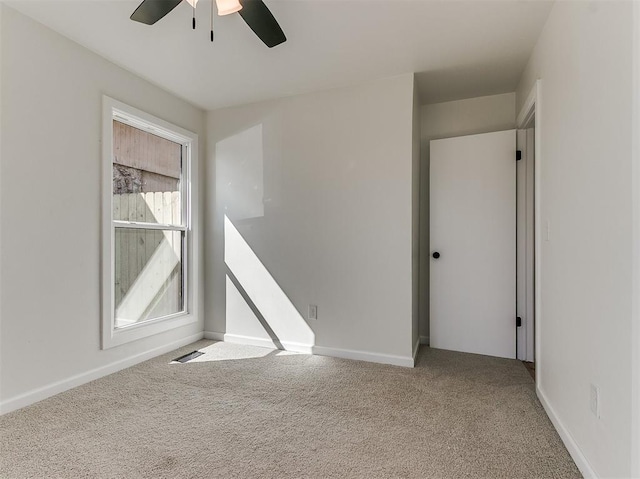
x=518 y=322
x=518 y=155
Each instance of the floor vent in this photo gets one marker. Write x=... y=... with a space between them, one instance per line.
x=188 y=356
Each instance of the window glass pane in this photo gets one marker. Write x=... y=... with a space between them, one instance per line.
x=146 y=177
x=148 y=274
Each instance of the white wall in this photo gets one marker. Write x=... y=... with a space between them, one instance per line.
x=50 y=209
x=445 y=120
x=584 y=60
x=471 y=116
x=317 y=189
x=1 y=130
x=635 y=337
x=415 y=226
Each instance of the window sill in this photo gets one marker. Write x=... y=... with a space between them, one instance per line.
x=146 y=329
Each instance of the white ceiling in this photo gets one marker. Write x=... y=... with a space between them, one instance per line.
x=462 y=48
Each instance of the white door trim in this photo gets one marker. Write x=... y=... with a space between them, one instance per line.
x=531 y=107
x=525 y=244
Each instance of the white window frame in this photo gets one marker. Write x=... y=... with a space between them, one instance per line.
x=112 y=336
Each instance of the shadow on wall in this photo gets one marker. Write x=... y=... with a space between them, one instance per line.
x=255 y=299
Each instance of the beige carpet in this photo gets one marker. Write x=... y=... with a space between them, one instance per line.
x=249 y=412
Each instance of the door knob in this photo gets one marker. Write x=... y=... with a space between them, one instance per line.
x=436 y=255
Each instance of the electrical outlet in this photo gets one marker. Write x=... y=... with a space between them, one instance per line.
x=313 y=312
x=594 y=402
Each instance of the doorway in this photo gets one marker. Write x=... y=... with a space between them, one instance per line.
x=526 y=240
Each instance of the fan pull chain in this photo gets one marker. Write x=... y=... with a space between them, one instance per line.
x=212 y=8
x=193 y=23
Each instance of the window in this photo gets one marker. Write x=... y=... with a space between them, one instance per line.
x=147 y=225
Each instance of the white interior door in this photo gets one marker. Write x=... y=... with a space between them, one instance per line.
x=473 y=231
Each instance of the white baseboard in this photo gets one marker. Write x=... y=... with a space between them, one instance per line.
x=248 y=340
x=424 y=339
x=570 y=443
x=57 y=387
x=213 y=335
x=406 y=361
x=267 y=343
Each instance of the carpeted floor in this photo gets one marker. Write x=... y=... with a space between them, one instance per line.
x=246 y=412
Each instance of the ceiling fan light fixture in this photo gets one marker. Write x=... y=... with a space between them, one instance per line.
x=255 y=14
x=227 y=7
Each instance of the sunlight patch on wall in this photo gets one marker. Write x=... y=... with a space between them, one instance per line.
x=269 y=304
x=240 y=174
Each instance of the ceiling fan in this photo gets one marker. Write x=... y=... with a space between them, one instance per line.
x=254 y=12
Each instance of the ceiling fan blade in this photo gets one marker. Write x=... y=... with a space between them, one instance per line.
x=150 y=11
x=260 y=19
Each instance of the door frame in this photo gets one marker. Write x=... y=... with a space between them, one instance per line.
x=531 y=109
x=525 y=252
